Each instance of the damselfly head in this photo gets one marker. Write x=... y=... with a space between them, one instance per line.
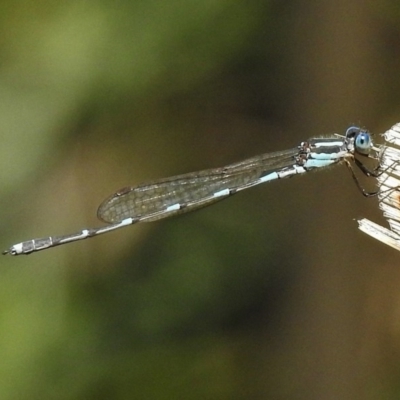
x=361 y=139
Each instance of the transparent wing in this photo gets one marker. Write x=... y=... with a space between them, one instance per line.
x=155 y=200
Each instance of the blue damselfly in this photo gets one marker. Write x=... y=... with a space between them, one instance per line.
x=183 y=193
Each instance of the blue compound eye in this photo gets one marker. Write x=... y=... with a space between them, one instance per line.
x=363 y=143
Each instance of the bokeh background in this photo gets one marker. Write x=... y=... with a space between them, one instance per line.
x=271 y=294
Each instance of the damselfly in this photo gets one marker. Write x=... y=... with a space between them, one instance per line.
x=183 y=193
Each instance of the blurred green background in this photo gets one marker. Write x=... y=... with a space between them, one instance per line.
x=272 y=294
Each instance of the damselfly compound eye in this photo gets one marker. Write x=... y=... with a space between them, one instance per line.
x=363 y=143
x=352 y=132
